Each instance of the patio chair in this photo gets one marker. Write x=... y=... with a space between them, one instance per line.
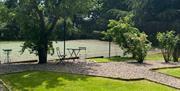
x=61 y=57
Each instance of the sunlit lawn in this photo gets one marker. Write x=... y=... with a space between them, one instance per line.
x=112 y=59
x=173 y=71
x=51 y=81
x=149 y=57
x=155 y=57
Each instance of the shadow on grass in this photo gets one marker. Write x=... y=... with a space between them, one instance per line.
x=31 y=79
x=25 y=80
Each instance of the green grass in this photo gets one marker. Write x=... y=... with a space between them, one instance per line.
x=150 y=57
x=155 y=57
x=51 y=81
x=172 y=71
x=112 y=59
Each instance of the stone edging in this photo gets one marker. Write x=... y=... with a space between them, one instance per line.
x=164 y=68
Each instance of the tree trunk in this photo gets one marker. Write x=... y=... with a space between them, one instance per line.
x=140 y=62
x=140 y=59
x=42 y=52
x=133 y=55
x=43 y=48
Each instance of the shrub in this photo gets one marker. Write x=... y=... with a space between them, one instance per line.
x=176 y=53
x=138 y=45
x=167 y=43
x=129 y=38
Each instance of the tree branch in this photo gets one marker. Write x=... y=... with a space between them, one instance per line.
x=53 y=24
x=40 y=15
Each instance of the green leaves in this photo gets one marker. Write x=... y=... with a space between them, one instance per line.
x=129 y=38
x=38 y=20
x=5 y=13
x=167 y=39
x=138 y=45
x=167 y=42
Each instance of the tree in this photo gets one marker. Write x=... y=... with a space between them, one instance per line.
x=152 y=16
x=167 y=43
x=110 y=10
x=129 y=38
x=38 y=20
x=176 y=53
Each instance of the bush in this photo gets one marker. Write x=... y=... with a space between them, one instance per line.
x=129 y=38
x=138 y=45
x=167 y=43
x=176 y=53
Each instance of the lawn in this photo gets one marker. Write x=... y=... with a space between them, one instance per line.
x=150 y=57
x=112 y=59
x=51 y=81
x=173 y=71
x=155 y=57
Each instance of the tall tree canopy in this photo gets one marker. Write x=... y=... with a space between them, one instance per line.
x=38 y=19
x=157 y=15
x=151 y=16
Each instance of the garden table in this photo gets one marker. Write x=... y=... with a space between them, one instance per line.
x=74 y=52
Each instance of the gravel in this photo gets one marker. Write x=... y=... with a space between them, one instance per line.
x=122 y=70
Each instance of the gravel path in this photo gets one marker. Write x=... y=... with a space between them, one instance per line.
x=120 y=70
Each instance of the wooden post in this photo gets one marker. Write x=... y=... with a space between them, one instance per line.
x=64 y=38
x=109 y=47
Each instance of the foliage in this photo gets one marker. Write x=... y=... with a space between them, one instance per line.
x=167 y=42
x=138 y=45
x=38 y=19
x=176 y=53
x=52 y=81
x=111 y=10
x=151 y=16
x=155 y=11
x=129 y=37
